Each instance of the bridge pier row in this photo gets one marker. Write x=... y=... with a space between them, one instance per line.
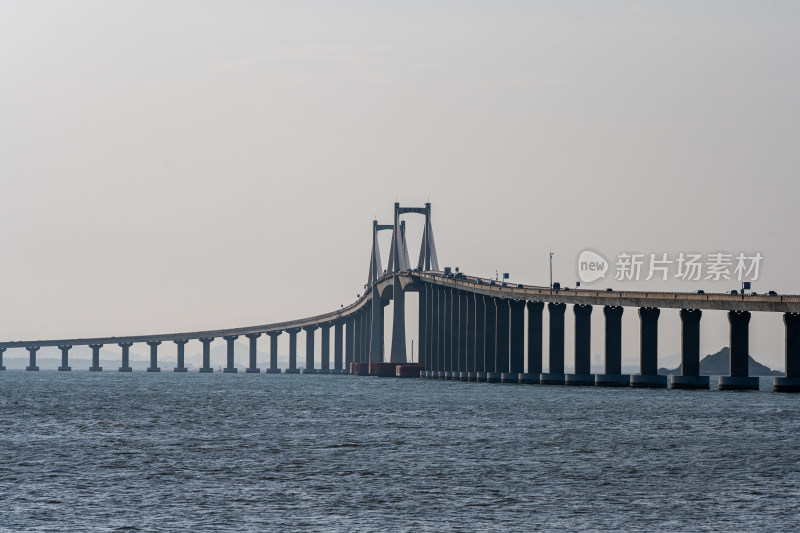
x=555 y=372
x=64 y=359
x=583 y=347
x=613 y=376
x=273 y=352
x=309 y=369
x=534 y=369
x=153 y=356
x=516 y=346
x=472 y=306
x=95 y=358
x=739 y=378
x=2 y=366
x=790 y=382
x=338 y=346
x=292 y=351
x=230 y=366
x=492 y=373
x=206 y=368
x=253 y=367
x=480 y=338
x=325 y=349
x=690 y=377
x=181 y=344
x=126 y=356
x=463 y=313
x=32 y=359
x=648 y=351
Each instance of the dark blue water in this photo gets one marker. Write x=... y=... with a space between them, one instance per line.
x=172 y=452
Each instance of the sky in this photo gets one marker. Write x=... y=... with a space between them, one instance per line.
x=186 y=165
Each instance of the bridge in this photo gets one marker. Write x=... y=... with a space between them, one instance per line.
x=473 y=329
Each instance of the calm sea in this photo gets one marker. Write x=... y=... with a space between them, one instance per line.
x=82 y=451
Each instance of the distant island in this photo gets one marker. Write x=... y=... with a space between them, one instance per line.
x=716 y=364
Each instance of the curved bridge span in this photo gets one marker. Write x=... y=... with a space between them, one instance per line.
x=473 y=329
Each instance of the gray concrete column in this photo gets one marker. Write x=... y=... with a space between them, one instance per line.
x=253 y=367
x=357 y=337
x=447 y=360
x=480 y=337
x=32 y=361
x=230 y=367
x=583 y=347
x=555 y=372
x=690 y=377
x=181 y=344
x=64 y=359
x=398 y=354
x=2 y=367
x=535 y=337
x=292 y=351
x=516 y=356
x=376 y=327
x=338 y=344
x=126 y=366
x=206 y=368
x=350 y=342
x=739 y=360
x=309 y=369
x=325 y=348
x=95 y=358
x=472 y=307
x=432 y=337
x=463 y=312
x=790 y=382
x=501 y=356
x=367 y=335
x=153 y=356
x=613 y=376
x=437 y=362
x=422 y=326
x=490 y=354
x=648 y=351
x=273 y=352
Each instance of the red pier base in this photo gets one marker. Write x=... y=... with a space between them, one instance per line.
x=359 y=369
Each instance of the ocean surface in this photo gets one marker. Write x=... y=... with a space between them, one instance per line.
x=106 y=451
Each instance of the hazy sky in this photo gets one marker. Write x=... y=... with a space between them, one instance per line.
x=183 y=165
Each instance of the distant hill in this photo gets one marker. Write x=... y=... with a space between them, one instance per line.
x=716 y=364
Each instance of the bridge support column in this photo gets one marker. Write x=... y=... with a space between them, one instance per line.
x=790 y=382
x=376 y=327
x=64 y=359
x=739 y=354
x=583 y=346
x=126 y=346
x=648 y=351
x=555 y=374
x=516 y=352
x=230 y=367
x=492 y=372
x=293 y=351
x=350 y=343
x=253 y=367
x=206 y=368
x=447 y=360
x=399 y=323
x=690 y=377
x=181 y=344
x=358 y=336
x=325 y=349
x=422 y=327
x=535 y=340
x=472 y=307
x=32 y=361
x=613 y=376
x=431 y=339
x=273 y=352
x=309 y=369
x=480 y=337
x=2 y=367
x=95 y=358
x=153 y=356
x=463 y=313
x=438 y=350
x=338 y=345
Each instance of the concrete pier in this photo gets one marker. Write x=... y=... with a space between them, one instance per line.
x=555 y=373
x=309 y=369
x=2 y=367
x=535 y=337
x=491 y=337
x=493 y=377
x=583 y=345
x=516 y=348
x=153 y=356
x=529 y=378
x=95 y=358
x=206 y=368
x=398 y=354
x=613 y=376
x=423 y=321
x=325 y=347
x=447 y=362
x=64 y=358
x=338 y=344
x=739 y=378
x=480 y=335
x=690 y=377
x=350 y=342
x=502 y=357
x=790 y=382
x=126 y=366
x=32 y=359
x=230 y=366
x=463 y=314
x=273 y=352
x=180 y=344
x=292 y=351
x=648 y=351
x=253 y=366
